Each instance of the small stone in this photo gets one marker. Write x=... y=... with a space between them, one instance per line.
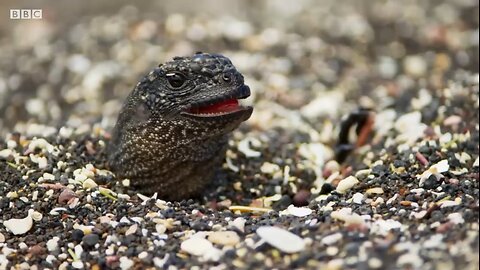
x=346 y=184
x=456 y=218
x=66 y=195
x=2 y=238
x=5 y=153
x=238 y=223
x=131 y=230
x=301 y=197
x=296 y=211
x=332 y=239
x=225 y=238
x=125 y=263
x=269 y=168
x=383 y=227
x=375 y=190
x=415 y=65
x=48 y=176
x=281 y=239
x=412 y=259
x=331 y=250
x=196 y=246
x=90 y=240
x=143 y=255
x=22 y=246
x=52 y=244
x=160 y=228
x=346 y=215
x=357 y=198
x=89 y=184
x=36 y=250
x=375 y=263
x=77 y=265
x=452 y=120
x=77 y=235
x=50 y=259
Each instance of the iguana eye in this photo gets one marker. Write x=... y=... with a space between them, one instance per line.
x=176 y=80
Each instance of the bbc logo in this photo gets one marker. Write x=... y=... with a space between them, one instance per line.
x=25 y=14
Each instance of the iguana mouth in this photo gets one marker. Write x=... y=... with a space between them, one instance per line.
x=221 y=106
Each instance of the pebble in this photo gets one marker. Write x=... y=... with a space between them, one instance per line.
x=456 y=218
x=376 y=190
x=238 y=223
x=77 y=235
x=346 y=184
x=281 y=239
x=89 y=183
x=90 y=240
x=415 y=65
x=160 y=228
x=357 y=198
x=346 y=215
x=411 y=259
x=196 y=245
x=52 y=244
x=383 y=227
x=296 y=211
x=225 y=238
x=77 y=265
x=332 y=239
x=66 y=195
x=375 y=263
x=125 y=263
x=131 y=230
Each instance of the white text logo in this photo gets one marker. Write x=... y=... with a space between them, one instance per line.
x=25 y=14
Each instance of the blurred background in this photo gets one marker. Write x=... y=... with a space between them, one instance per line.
x=319 y=59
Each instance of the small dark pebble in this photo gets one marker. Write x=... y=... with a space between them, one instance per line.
x=326 y=188
x=200 y=225
x=301 y=198
x=77 y=235
x=90 y=240
x=431 y=182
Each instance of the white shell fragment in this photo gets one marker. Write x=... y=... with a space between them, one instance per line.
x=435 y=169
x=346 y=215
x=281 y=239
x=19 y=226
x=383 y=227
x=238 y=223
x=89 y=183
x=244 y=147
x=196 y=246
x=332 y=239
x=346 y=184
x=357 y=198
x=296 y=211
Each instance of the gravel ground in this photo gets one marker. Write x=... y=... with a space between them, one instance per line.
x=407 y=197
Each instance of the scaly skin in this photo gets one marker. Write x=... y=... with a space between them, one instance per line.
x=162 y=142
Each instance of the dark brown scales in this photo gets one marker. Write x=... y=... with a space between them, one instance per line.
x=162 y=147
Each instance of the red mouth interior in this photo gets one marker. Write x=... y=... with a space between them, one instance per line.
x=221 y=107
